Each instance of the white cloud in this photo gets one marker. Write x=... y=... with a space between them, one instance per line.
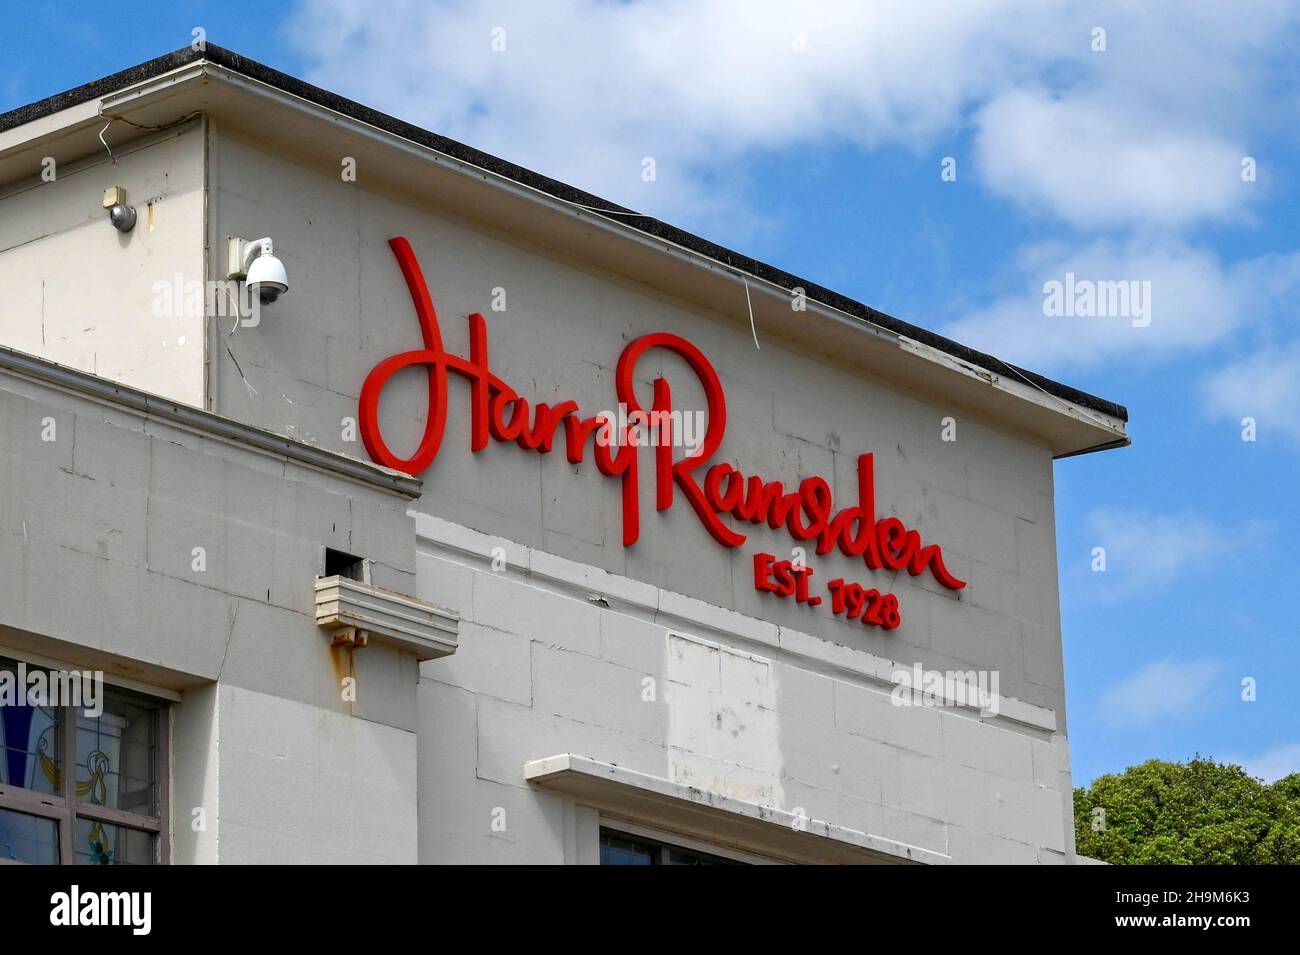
x=1152 y=136
x=1168 y=689
x=1146 y=552
x=586 y=89
x=1264 y=386
x=1193 y=301
x=1096 y=163
x=1134 y=146
x=1272 y=764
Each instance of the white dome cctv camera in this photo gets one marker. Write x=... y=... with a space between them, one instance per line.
x=256 y=264
x=266 y=277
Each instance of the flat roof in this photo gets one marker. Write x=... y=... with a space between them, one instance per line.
x=625 y=217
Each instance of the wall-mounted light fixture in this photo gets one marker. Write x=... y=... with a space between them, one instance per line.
x=255 y=263
x=119 y=213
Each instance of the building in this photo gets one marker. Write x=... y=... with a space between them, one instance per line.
x=369 y=576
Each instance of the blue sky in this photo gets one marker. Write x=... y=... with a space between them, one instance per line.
x=814 y=140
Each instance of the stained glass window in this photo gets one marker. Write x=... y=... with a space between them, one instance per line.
x=108 y=809
x=31 y=742
x=102 y=843
x=117 y=756
x=27 y=838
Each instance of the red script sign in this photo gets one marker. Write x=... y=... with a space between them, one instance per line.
x=499 y=413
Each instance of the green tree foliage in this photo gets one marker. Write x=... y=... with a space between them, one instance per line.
x=1195 y=813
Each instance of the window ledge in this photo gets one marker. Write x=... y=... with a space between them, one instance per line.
x=654 y=800
x=398 y=620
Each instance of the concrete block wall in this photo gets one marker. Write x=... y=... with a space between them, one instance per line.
x=531 y=670
x=80 y=293
x=743 y=712
x=101 y=510
x=986 y=497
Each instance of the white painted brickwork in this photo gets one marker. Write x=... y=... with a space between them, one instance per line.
x=740 y=707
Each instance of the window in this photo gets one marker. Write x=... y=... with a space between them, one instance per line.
x=109 y=809
x=620 y=848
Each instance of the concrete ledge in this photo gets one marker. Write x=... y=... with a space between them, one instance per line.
x=398 y=620
x=204 y=422
x=690 y=615
x=659 y=802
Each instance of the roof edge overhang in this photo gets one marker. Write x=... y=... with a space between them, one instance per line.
x=534 y=208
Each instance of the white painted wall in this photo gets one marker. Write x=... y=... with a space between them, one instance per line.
x=753 y=697
x=286 y=782
x=737 y=706
x=792 y=412
x=538 y=672
x=304 y=785
x=76 y=291
x=284 y=765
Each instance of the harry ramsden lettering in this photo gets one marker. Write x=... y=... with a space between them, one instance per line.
x=499 y=413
